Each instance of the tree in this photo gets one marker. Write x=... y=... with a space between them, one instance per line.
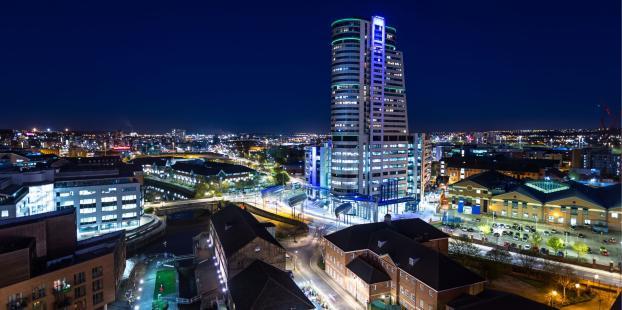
x=581 y=248
x=485 y=229
x=564 y=276
x=536 y=239
x=526 y=261
x=555 y=243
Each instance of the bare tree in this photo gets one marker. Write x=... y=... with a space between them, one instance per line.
x=565 y=277
x=463 y=247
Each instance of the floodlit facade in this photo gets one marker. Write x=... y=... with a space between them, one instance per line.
x=369 y=122
x=317 y=170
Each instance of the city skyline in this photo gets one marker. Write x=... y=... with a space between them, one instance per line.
x=154 y=69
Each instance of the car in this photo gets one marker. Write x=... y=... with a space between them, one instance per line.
x=546 y=232
x=573 y=227
x=554 y=231
x=560 y=254
x=504 y=233
x=496 y=235
x=589 y=250
x=604 y=253
x=502 y=225
x=525 y=237
x=581 y=235
x=527 y=247
x=494 y=225
x=510 y=233
x=516 y=237
x=513 y=245
x=470 y=229
x=544 y=251
x=478 y=220
x=605 y=241
x=533 y=230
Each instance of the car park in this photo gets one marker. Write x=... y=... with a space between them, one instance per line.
x=546 y=233
x=496 y=235
x=516 y=237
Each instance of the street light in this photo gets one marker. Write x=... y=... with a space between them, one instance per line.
x=577 y=286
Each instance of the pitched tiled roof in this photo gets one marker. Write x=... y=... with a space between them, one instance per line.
x=367 y=272
x=395 y=239
x=356 y=237
x=262 y=286
x=491 y=179
x=236 y=228
x=608 y=197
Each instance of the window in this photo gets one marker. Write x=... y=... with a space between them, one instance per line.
x=79 y=291
x=430 y=292
x=88 y=220
x=98 y=298
x=86 y=192
x=614 y=215
x=79 y=278
x=97 y=272
x=5 y=213
x=129 y=214
x=98 y=285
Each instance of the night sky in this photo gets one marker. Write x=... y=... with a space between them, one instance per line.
x=265 y=66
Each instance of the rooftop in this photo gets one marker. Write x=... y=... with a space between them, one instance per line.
x=236 y=228
x=262 y=286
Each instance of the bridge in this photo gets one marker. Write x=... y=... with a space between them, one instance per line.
x=170 y=207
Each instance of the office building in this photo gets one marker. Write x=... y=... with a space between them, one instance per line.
x=419 y=165
x=369 y=123
x=400 y=262
x=106 y=193
x=317 y=170
x=48 y=268
x=601 y=159
x=458 y=168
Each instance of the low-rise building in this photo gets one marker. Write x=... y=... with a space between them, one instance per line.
x=47 y=268
x=261 y=286
x=546 y=201
x=400 y=262
x=239 y=239
x=458 y=168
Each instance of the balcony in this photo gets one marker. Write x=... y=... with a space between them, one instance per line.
x=17 y=304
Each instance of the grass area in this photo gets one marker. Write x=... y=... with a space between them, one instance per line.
x=165 y=283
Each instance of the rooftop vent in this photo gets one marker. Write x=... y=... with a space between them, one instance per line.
x=381 y=243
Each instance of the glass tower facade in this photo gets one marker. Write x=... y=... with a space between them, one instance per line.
x=369 y=122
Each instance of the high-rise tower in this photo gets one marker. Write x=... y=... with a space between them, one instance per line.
x=369 y=122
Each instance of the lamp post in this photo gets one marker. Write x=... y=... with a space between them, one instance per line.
x=577 y=286
x=552 y=298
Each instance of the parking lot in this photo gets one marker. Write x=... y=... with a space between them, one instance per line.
x=517 y=234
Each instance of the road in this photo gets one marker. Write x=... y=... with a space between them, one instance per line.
x=305 y=254
x=588 y=274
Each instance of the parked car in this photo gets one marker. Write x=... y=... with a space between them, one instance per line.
x=533 y=230
x=546 y=233
x=589 y=250
x=496 y=235
x=516 y=237
x=544 y=251
x=470 y=229
x=504 y=233
x=525 y=237
x=604 y=253
x=513 y=245
x=560 y=254
x=554 y=231
x=494 y=225
x=478 y=220
x=581 y=235
x=527 y=247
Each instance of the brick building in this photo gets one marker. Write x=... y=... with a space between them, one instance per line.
x=47 y=268
x=458 y=168
x=558 y=203
x=397 y=262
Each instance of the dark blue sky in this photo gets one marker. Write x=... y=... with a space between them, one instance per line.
x=264 y=66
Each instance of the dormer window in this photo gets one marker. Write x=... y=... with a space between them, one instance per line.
x=381 y=243
x=257 y=249
x=412 y=261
